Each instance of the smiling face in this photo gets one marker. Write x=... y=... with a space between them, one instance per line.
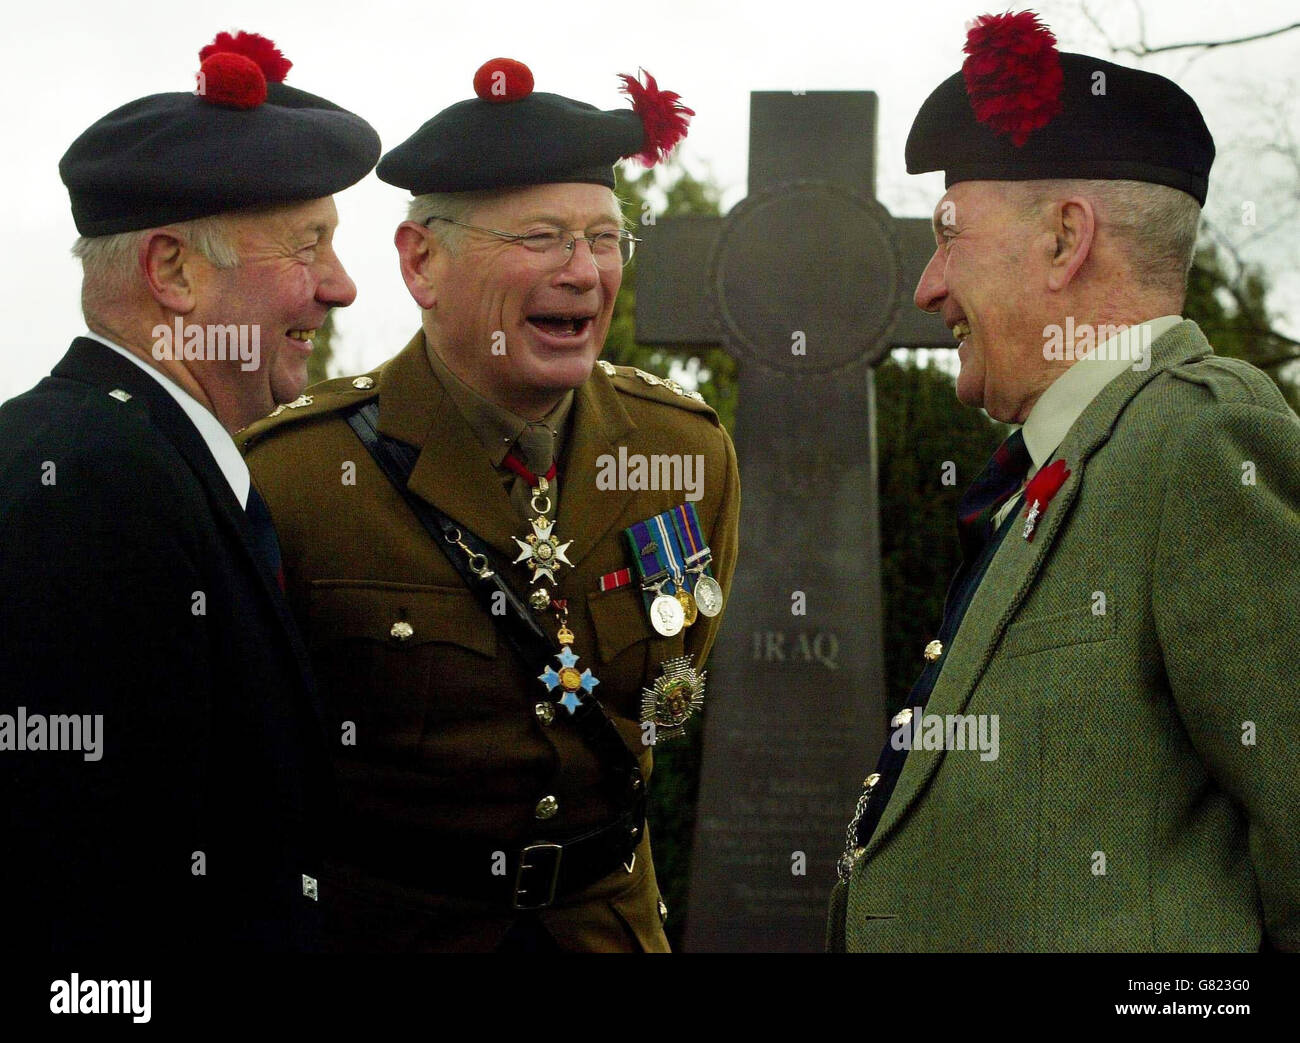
x=287 y=280
x=515 y=329
x=987 y=279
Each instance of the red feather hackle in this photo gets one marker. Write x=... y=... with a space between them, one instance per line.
x=274 y=65
x=663 y=117
x=1013 y=73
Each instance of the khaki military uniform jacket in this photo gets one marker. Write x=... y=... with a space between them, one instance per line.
x=439 y=747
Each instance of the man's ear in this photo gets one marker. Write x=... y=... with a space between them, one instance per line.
x=1074 y=227
x=416 y=250
x=166 y=263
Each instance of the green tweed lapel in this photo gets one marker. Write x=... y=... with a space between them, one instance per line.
x=1016 y=566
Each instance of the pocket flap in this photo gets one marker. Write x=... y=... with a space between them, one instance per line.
x=400 y=615
x=619 y=617
x=1058 y=630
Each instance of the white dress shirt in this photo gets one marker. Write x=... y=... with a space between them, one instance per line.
x=1058 y=407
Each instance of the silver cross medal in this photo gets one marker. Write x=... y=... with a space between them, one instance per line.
x=542 y=551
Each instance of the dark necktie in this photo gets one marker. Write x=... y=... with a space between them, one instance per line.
x=535 y=449
x=264 y=538
x=998 y=482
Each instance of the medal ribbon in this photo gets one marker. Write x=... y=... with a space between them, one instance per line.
x=515 y=464
x=672 y=550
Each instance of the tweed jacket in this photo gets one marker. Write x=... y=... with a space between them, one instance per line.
x=1139 y=656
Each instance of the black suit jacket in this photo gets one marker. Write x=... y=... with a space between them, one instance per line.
x=130 y=587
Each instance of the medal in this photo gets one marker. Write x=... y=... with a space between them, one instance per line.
x=667 y=615
x=675 y=695
x=708 y=595
x=540 y=550
x=543 y=553
x=672 y=560
x=568 y=679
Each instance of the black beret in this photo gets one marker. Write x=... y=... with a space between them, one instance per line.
x=515 y=136
x=179 y=156
x=1112 y=123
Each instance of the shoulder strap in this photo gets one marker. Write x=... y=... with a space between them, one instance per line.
x=478 y=570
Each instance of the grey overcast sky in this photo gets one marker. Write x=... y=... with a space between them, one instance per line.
x=66 y=64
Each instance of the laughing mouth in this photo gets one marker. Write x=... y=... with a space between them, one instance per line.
x=961 y=330
x=560 y=325
x=302 y=335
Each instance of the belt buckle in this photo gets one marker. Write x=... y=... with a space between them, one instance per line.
x=554 y=851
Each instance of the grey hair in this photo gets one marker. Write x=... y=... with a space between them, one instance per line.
x=108 y=262
x=461 y=206
x=1155 y=224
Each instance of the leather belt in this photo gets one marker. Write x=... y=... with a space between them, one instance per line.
x=533 y=876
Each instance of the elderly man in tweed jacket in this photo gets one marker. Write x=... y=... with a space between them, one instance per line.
x=1128 y=607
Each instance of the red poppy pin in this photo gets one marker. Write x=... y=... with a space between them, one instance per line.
x=1039 y=492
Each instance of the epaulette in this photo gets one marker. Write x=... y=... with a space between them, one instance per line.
x=326 y=397
x=638 y=382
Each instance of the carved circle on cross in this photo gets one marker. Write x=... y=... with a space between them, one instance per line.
x=805 y=278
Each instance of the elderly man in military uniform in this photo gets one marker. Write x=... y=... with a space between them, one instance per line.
x=141 y=609
x=503 y=638
x=1119 y=611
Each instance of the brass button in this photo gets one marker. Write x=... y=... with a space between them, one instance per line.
x=663 y=911
x=547 y=807
x=363 y=383
x=545 y=712
x=903 y=716
x=402 y=630
x=933 y=651
x=870 y=781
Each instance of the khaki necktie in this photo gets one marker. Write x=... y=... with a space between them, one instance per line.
x=535 y=448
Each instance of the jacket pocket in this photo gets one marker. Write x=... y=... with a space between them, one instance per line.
x=400 y=616
x=1057 y=630
x=400 y=663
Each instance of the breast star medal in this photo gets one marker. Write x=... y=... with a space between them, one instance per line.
x=675 y=695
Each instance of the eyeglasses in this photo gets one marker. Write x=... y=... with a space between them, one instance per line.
x=554 y=249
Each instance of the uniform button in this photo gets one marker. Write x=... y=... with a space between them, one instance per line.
x=363 y=383
x=402 y=630
x=870 y=781
x=547 y=807
x=933 y=651
x=545 y=712
x=663 y=911
x=902 y=717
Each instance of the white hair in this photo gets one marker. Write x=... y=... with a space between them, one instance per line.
x=109 y=262
x=1156 y=225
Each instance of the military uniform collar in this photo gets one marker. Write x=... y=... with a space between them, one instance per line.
x=495 y=427
x=455 y=474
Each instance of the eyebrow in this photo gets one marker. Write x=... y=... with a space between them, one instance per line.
x=560 y=222
x=939 y=226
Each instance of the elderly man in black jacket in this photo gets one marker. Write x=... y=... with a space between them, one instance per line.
x=163 y=766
